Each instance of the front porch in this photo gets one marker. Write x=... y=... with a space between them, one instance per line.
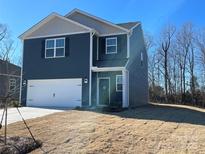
x=110 y=88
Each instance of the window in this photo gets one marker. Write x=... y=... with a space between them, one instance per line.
x=141 y=58
x=55 y=48
x=12 y=85
x=118 y=83
x=111 y=45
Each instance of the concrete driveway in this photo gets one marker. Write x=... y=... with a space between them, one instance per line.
x=27 y=113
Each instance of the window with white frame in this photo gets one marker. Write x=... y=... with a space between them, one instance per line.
x=141 y=58
x=118 y=83
x=12 y=85
x=111 y=45
x=55 y=48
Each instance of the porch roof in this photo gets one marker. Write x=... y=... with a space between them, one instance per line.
x=107 y=69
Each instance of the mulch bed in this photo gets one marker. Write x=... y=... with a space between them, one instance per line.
x=18 y=145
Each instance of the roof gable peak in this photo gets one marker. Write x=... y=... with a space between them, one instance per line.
x=96 y=18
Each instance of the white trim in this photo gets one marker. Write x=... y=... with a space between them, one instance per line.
x=97 y=48
x=106 y=45
x=10 y=75
x=54 y=47
x=128 y=88
x=56 y=35
x=112 y=34
x=56 y=78
x=96 y=18
x=128 y=61
x=90 y=69
x=135 y=26
x=107 y=69
x=128 y=45
x=125 y=95
x=141 y=56
x=98 y=79
x=116 y=78
x=21 y=79
x=48 y=18
x=97 y=89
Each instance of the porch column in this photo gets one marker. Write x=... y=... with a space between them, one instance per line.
x=125 y=88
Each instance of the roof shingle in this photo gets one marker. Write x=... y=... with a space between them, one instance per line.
x=128 y=25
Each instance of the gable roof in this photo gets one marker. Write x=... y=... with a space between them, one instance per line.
x=96 y=18
x=47 y=19
x=129 y=25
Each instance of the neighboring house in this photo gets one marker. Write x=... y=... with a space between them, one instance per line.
x=83 y=60
x=9 y=79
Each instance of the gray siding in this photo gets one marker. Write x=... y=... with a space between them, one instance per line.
x=111 y=60
x=57 y=26
x=101 y=27
x=115 y=97
x=138 y=71
x=74 y=65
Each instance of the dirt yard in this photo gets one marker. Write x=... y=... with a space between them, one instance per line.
x=150 y=129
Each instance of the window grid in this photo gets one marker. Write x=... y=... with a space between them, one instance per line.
x=107 y=45
x=54 y=48
x=119 y=83
x=12 y=85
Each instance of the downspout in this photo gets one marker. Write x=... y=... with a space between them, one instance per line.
x=128 y=48
x=92 y=33
x=21 y=79
x=125 y=74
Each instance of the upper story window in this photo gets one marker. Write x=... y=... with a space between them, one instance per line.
x=118 y=83
x=12 y=85
x=55 y=48
x=111 y=45
x=141 y=58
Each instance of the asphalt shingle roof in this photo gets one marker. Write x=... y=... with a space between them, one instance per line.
x=128 y=25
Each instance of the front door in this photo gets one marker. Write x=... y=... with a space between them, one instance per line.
x=104 y=91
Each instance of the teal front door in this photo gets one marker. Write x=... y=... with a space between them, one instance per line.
x=104 y=91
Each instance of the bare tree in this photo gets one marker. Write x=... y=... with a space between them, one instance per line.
x=184 y=41
x=167 y=36
x=191 y=64
x=177 y=64
x=7 y=50
x=3 y=31
x=200 y=41
x=149 y=43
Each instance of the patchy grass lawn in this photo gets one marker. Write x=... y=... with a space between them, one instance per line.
x=150 y=129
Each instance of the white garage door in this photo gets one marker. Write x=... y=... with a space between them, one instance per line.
x=54 y=93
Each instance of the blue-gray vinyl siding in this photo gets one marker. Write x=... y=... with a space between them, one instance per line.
x=74 y=65
x=138 y=70
x=110 y=60
x=115 y=97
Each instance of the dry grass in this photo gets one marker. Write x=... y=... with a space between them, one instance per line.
x=151 y=129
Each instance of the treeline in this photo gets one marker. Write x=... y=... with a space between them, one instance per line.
x=177 y=65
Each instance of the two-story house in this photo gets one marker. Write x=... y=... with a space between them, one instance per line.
x=82 y=60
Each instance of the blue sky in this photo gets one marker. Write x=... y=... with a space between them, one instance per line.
x=20 y=15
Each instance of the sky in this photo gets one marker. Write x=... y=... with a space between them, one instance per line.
x=20 y=15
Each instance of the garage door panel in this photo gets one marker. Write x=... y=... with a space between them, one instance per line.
x=55 y=92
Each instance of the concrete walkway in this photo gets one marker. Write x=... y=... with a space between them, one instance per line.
x=27 y=113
